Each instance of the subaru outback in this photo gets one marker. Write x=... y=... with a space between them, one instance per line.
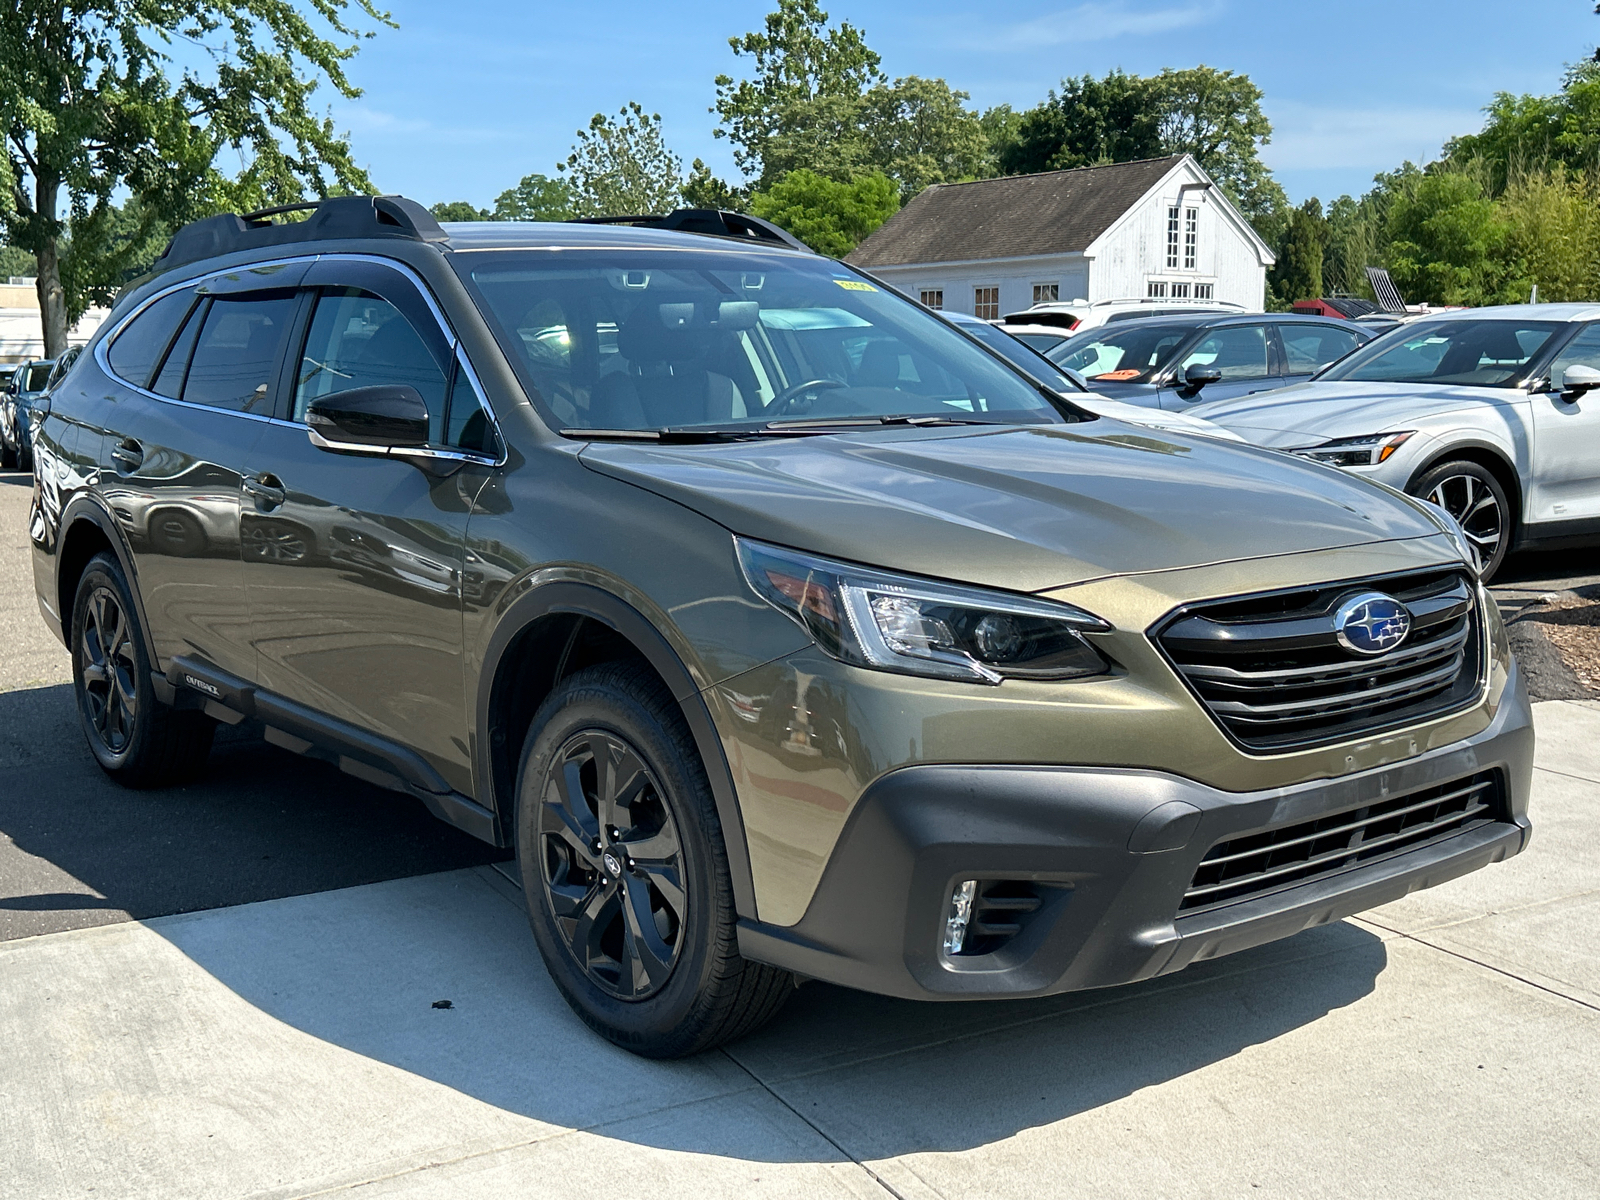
x=780 y=629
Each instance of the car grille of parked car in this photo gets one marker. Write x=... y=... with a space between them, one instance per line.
x=1243 y=868
x=1272 y=670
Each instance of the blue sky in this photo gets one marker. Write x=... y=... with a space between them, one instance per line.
x=465 y=98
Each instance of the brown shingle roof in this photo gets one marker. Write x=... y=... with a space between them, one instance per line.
x=1055 y=212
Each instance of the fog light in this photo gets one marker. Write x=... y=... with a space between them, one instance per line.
x=955 y=922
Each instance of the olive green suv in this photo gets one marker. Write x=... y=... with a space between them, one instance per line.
x=782 y=630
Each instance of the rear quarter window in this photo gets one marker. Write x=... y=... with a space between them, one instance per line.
x=139 y=345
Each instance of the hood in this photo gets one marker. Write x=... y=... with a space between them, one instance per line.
x=1306 y=413
x=1025 y=509
x=1155 y=418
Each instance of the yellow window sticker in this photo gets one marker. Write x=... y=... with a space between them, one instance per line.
x=855 y=285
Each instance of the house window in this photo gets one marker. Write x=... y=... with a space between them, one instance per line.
x=1046 y=293
x=1191 y=237
x=933 y=298
x=1202 y=291
x=1156 y=289
x=986 y=303
x=1172 y=237
x=1180 y=291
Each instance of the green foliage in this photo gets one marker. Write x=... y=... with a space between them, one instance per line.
x=1531 y=133
x=1554 y=233
x=1447 y=241
x=1002 y=129
x=458 y=210
x=830 y=216
x=1216 y=116
x=536 y=198
x=621 y=166
x=1115 y=119
x=1298 y=272
x=88 y=109
x=797 y=59
x=1351 y=246
x=14 y=260
x=704 y=190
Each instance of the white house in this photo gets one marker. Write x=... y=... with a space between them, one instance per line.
x=1158 y=227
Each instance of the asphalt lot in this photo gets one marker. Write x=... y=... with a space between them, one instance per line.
x=266 y=1025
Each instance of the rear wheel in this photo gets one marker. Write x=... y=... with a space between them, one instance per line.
x=1472 y=495
x=137 y=740
x=8 y=454
x=625 y=873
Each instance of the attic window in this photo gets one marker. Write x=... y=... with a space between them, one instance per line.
x=1191 y=237
x=1172 y=238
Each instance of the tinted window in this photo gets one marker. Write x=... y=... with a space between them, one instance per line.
x=645 y=338
x=1238 y=351
x=36 y=376
x=359 y=340
x=1309 y=348
x=1126 y=354
x=469 y=426
x=1479 y=353
x=169 y=380
x=237 y=352
x=1581 y=351
x=140 y=344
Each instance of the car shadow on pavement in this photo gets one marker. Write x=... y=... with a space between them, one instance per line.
x=262 y=823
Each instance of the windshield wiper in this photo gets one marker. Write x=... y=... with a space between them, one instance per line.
x=690 y=434
x=668 y=434
x=810 y=424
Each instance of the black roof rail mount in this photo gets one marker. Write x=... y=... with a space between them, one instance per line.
x=715 y=222
x=332 y=219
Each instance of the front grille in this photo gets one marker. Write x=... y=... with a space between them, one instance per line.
x=1243 y=868
x=1272 y=671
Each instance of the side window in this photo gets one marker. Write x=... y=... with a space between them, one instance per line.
x=1581 y=351
x=468 y=426
x=358 y=339
x=169 y=379
x=1238 y=351
x=1309 y=348
x=141 y=343
x=237 y=352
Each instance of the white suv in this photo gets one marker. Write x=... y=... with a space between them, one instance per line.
x=1077 y=315
x=1492 y=413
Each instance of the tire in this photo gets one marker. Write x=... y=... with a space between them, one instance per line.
x=642 y=948
x=1472 y=495
x=137 y=740
x=8 y=455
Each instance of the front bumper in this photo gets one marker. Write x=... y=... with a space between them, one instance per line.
x=1111 y=852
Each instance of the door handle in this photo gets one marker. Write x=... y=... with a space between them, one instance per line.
x=266 y=490
x=128 y=455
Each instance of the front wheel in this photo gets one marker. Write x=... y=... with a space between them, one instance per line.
x=137 y=740
x=625 y=873
x=1473 y=496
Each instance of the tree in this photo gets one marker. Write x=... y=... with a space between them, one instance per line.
x=1298 y=272
x=1216 y=116
x=797 y=59
x=458 y=210
x=920 y=132
x=704 y=190
x=14 y=260
x=1553 y=237
x=1115 y=119
x=1447 y=242
x=1351 y=247
x=830 y=216
x=89 y=113
x=622 y=167
x=536 y=198
x=1530 y=133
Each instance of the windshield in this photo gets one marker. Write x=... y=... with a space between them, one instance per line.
x=1479 y=353
x=653 y=339
x=1127 y=354
x=38 y=374
x=1015 y=350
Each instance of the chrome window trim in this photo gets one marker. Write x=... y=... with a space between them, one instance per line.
x=104 y=344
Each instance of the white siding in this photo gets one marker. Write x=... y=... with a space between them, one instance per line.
x=1015 y=279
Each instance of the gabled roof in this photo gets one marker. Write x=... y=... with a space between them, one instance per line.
x=1054 y=212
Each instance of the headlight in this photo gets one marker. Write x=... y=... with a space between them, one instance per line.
x=920 y=627
x=1366 y=451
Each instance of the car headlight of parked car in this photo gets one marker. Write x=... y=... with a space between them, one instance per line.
x=1367 y=451
x=915 y=626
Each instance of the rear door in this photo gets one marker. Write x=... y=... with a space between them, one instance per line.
x=1243 y=353
x=196 y=369
x=353 y=562
x=1306 y=347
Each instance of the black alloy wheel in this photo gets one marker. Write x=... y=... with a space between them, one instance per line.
x=612 y=865
x=1473 y=496
x=135 y=738
x=109 y=670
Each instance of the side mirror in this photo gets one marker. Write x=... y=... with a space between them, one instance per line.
x=1195 y=378
x=1576 y=380
x=388 y=417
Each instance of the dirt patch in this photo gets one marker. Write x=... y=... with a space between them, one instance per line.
x=1557 y=640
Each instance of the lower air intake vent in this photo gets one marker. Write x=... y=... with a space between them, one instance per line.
x=1246 y=867
x=1000 y=911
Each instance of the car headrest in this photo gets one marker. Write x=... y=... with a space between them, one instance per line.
x=682 y=330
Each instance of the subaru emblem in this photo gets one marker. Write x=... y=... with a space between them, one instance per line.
x=1371 y=623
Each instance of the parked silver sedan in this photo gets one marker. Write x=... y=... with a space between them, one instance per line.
x=1493 y=414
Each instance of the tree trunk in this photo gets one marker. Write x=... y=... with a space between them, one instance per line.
x=52 y=298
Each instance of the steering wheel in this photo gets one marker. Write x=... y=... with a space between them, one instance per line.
x=781 y=403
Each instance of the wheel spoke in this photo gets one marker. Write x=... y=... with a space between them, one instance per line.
x=93 y=672
x=657 y=847
x=668 y=883
x=622 y=778
x=589 y=920
x=1480 y=539
x=651 y=956
x=565 y=801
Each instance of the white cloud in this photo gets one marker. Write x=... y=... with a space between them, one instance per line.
x=1313 y=137
x=1096 y=21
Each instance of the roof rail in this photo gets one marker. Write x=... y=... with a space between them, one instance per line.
x=715 y=222
x=333 y=218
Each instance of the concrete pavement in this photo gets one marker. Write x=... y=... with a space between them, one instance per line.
x=1447 y=1045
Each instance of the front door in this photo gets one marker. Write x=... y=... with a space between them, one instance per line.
x=1243 y=353
x=353 y=562
x=1566 y=441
